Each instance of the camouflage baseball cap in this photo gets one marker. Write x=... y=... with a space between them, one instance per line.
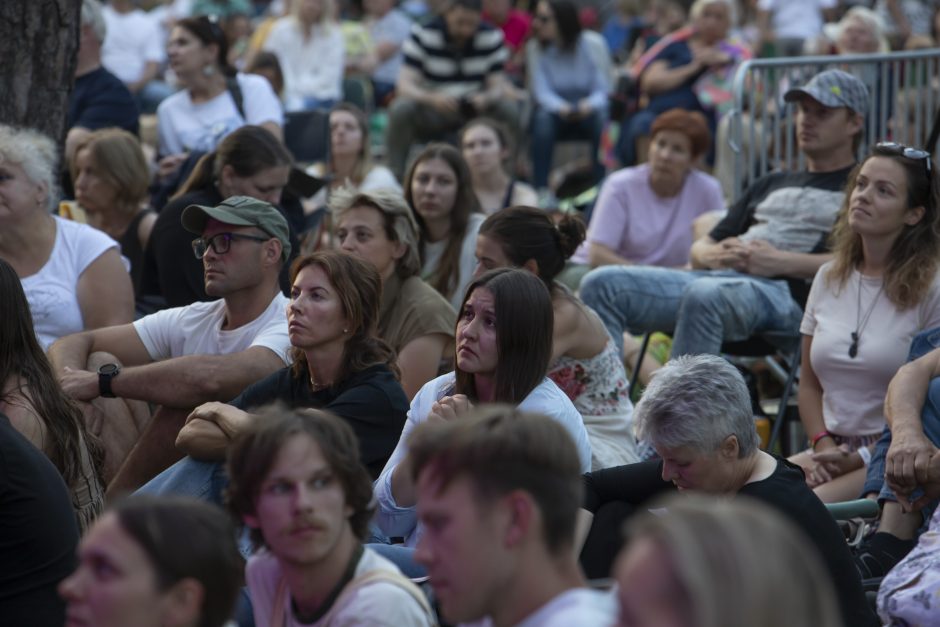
x=241 y=211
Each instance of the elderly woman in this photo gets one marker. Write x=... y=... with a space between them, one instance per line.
x=691 y=68
x=72 y=274
x=414 y=319
x=696 y=413
x=644 y=214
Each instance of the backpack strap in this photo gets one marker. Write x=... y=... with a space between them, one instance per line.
x=378 y=576
x=231 y=83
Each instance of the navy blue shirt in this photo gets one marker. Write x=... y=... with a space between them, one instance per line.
x=100 y=100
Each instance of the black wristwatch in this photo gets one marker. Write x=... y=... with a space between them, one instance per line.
x=105 y=373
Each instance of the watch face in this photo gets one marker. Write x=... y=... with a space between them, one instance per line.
x=109 y=369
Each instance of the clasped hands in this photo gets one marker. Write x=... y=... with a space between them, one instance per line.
x=757 y=257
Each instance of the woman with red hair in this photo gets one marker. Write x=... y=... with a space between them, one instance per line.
x=644 y=214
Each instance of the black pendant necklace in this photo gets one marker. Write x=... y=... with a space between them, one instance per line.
x=861 y=323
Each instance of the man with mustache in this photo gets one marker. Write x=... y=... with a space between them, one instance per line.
x=297 y=484
x=182 y=357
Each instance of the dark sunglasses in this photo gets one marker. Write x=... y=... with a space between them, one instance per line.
x=221 y=243
x=894 y=148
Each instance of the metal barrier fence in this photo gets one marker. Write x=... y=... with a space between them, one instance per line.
x=903 y=87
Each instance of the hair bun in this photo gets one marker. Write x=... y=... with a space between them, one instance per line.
x=571 y=233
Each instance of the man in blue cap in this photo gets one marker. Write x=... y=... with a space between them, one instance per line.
x=182 y=357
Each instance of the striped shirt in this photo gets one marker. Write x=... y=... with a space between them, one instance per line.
x=456 y=71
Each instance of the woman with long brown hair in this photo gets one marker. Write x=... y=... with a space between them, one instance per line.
x=439 y=190
x=31 y=398
x=866 y=305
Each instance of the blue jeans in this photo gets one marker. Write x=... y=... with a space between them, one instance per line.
x=205 y=481
x=701 y=309
x=923 y=343
x=548 y=127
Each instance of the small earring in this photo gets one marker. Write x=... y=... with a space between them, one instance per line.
x=345 y=331
x=208 y=70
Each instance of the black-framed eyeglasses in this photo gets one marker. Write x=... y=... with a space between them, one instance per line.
x=221 y=243
x=895 y=148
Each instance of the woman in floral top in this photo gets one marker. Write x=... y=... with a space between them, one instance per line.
x=585 y=363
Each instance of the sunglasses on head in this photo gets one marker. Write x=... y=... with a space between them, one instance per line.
x=894 y=148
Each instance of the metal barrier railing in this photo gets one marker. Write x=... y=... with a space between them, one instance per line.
x=903 y=87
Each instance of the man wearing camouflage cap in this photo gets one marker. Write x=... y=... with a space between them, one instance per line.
x=182 y=357
x=753 y=271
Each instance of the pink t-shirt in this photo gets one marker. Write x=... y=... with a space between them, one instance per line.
x=634 y=222
x=515 y=28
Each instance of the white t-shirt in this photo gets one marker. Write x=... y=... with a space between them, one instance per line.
x=546 y=399
x=379 y=177
x=796 y=19
x=132 y=40
x=52 y=292
x=183 y=125
x=312 y=67
x=468 y=259
x=379 y=604
x=854 y=388
x=197 y=330
x=578 y=606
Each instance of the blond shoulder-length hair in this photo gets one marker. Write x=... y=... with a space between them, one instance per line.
x=736 y=563
x=915 y=254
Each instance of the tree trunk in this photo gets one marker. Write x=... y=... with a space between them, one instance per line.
x=38 y=45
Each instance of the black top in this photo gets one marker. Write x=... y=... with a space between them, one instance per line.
x=740 y=216
x=100 y=100
x=785 y=491
x=171 y=269
x=371 y=401
x=38 y=533
x=131 y=248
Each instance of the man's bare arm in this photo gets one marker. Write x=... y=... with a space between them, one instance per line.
x=121 y=341
x=183 y=382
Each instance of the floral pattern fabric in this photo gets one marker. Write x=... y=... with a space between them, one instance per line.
x=598 y=387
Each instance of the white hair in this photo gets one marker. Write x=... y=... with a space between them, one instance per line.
x=697 y=401
x=35 y=153
x=94 y=18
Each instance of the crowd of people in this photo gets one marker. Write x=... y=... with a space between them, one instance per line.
x=393 y=386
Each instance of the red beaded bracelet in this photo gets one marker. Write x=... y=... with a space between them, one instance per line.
x=819 y=436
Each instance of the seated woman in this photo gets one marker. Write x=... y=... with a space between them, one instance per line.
x=340 y=365
x=111 y=179
x=705 y=562
x=414 y=319
x=691 y=69
x=697 y=414
x=31 y=398
x=249 y=162
x=568 y=87
x=485 y=147
x=214 y=99
x=72 y=274
x=504 y=344
x=644 y=214
x=440 y=193
x=864 y=309
x=174 y=560
x=350 y=162
x=585 y=363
